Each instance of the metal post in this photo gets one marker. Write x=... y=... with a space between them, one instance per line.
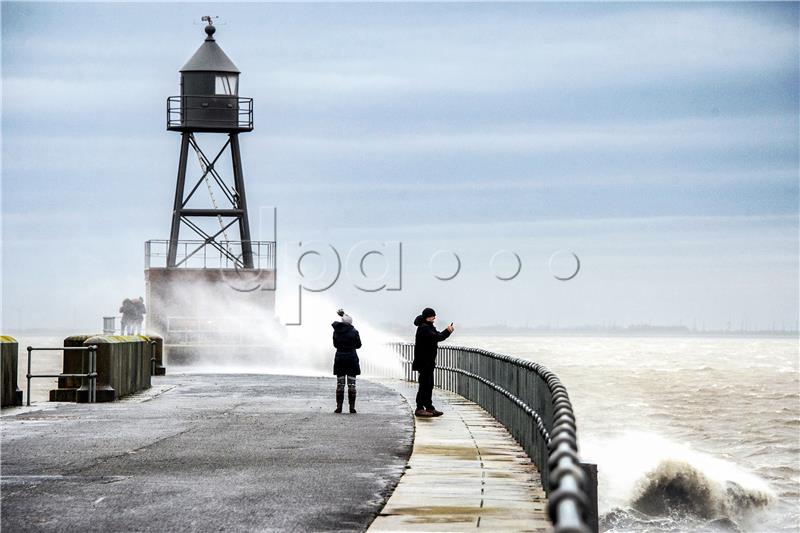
x=29 y=375
x=92 y=374
x=244 y=223
x=178 y=205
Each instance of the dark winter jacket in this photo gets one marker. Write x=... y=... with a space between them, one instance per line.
x=346 y=340
x=128 y=310
x=139 y=309
x=426 y=343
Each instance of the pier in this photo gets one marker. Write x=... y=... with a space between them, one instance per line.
x=127 y=444
x=205 y=453
x=244 y=452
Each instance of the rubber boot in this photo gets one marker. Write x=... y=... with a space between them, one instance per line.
x=351 y=397
x=339 y=399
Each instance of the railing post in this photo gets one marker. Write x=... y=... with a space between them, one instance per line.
x=29 y=376
x=152 y=358
x=92 y=373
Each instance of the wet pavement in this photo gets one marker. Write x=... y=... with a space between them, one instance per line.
x=466 y=473
x=206 y=453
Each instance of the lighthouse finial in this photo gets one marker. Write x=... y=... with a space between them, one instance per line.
x=210 y=29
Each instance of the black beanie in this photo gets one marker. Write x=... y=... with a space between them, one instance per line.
x=428 y=312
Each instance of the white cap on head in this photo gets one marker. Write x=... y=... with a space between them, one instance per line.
x=347 y=319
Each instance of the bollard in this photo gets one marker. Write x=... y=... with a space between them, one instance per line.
x=109 y=325
x=74 y=362
x=157 y=352
x=117 y=366
x=11 y=393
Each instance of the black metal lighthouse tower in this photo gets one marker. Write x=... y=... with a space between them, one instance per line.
x=210 y=286
x=210 y=102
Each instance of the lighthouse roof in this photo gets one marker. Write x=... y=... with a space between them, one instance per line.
x=210 y=57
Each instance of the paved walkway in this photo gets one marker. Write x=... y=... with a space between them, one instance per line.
x=205 y=453
x=466 y=473
x=263 y=453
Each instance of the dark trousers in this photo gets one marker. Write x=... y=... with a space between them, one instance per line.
x=425 y=379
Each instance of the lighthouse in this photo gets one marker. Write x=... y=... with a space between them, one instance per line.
x=209 y=281
x=209 y=102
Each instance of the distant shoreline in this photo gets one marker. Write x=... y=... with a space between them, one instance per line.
x=633 y=333
x=500 y=331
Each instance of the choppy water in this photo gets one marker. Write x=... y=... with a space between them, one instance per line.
x=689 y=434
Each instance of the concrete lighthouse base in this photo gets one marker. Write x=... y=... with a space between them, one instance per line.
x=209 y=314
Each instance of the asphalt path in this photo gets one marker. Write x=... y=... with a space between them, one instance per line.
x=205 y=453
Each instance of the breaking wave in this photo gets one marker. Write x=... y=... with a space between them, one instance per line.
x=677 y=487
x=655 y=484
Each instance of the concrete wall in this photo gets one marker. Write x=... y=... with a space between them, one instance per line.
x=123 y=367
x=9 y=351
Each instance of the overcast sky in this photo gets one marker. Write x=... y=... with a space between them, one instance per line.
x=658 y=142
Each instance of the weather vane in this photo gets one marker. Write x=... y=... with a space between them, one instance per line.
x=210 y=20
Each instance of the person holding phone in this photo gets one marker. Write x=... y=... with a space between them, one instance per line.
x=425 y=346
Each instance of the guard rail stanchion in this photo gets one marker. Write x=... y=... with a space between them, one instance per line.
x=28 y=375
x=91 y=373
x=152 y=358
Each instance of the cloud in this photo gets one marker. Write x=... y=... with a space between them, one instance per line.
x=534 y=49
x=652 y=136
x=621 y=130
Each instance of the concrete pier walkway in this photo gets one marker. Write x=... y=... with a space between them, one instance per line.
x=466 y=473
x=263 y=453
x=205 y=453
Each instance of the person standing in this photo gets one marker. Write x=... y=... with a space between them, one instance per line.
x=140 y=311
x=425 y=345
x=128 y=311
x=345 y=364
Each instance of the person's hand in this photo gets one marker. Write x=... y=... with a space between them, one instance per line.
x=450 y=328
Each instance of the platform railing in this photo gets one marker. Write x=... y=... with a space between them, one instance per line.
x=233 y=330
x=533 y=405
x=210 y=112
x=90 y=375
x=201 y=254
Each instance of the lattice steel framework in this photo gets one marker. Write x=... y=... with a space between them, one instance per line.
x=233 y=213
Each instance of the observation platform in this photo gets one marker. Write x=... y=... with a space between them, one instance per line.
x=202 y=452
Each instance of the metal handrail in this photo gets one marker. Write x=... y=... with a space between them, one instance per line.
x=91 y=375
x=533 y=404
x=263 y=253
x=177 y=106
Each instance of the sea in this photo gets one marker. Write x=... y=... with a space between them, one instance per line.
x=689 y=434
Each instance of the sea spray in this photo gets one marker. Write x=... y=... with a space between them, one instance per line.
x=676 y=487
x=252 y=339
x=649 y=482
